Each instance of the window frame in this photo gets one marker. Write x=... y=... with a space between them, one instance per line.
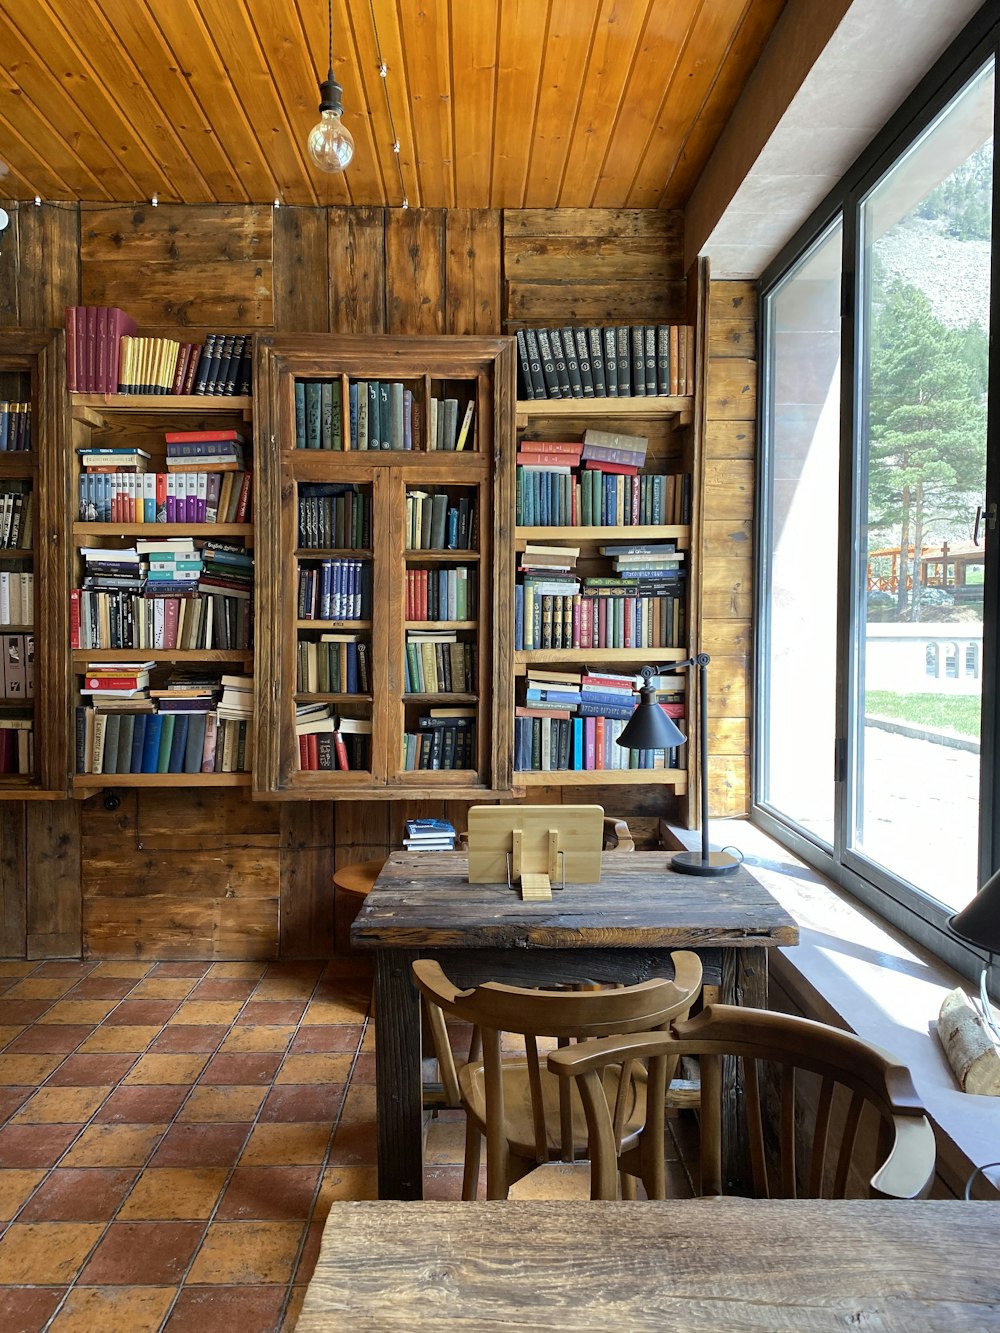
x=889 y=896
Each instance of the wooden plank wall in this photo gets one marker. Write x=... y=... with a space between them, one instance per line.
x=727 y=538
x=214 y=874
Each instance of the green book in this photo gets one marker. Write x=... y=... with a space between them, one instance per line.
x=326 y=415
x=313 y=413
x=166 y=740
x=395 y=416
x=300 y=414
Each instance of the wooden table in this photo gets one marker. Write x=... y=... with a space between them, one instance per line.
x=735 y=1264
x=622 y=929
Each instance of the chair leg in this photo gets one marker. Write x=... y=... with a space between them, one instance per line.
x=627 y=1183
x=470 y=1173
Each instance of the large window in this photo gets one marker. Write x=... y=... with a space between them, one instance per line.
x=876 y=590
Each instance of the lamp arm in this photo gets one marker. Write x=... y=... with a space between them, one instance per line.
x=701 y=661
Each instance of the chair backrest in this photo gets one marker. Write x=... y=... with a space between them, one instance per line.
x=500 y=1011
x=827 y=1114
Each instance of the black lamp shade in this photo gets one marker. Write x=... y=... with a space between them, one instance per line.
x=979 y=923
x=649 y=727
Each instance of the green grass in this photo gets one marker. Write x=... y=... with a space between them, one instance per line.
x=947 y=712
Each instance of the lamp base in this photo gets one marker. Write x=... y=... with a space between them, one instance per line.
x=691 y=863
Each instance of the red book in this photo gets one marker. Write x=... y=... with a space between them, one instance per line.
x=243 y=503
x=74 y=619
x=553 y=446
x=180 y=368
x=192 y=368
x=201 y=436
x=312 y=752
x=598 y=742
x=111 y=683
x=90 y=382
x=340 y=749
x=546 y=460
x=620 y=469
x=303 y=752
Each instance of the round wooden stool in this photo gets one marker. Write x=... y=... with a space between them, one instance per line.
x=358 y=878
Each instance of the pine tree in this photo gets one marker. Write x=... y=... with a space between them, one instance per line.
x=927 y=430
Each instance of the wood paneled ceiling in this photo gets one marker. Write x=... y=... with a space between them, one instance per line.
x=495 y=103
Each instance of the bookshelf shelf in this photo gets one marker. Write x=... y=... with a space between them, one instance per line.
x=319 y=384
x=34 y=670
x=145 y=595
x=91 y=782
x=589 y=596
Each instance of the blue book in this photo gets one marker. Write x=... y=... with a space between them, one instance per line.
x=374 y=435
x=195 y=743
x=577 y=742
x=138 y=742
x=518 y=617
x=151 y=742
x=605 y=710
x=166 y=740
x=178 y=743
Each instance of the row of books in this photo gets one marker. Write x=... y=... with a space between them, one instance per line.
x=437 y=662
x=165 y=497
x=550 y=498
x=17 y=597
x=17 y=745
x=337 y=588
x=440 y=594
x=17 y=515
x=381 y=415
x=549 y=744
x=333 y=664
x=619 y=361
x=435 y=522
x=329 y=741
x=596 y=619
x=104 y=354
x=430 y=835
x=151 y=621
x=169 y=566
x=18 y=671
x=15 y=427
x=334 y=516
x=112 y=740
x=442 y=743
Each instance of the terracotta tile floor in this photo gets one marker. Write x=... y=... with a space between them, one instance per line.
x=172 y=1136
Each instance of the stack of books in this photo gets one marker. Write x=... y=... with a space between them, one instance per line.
x=336 y=663
x=619 y=361
x=445 y=739
x=434 y=522
x=15 y=427
x=17 y=676
x=105 y=355
x=335 y=515
x=430 y=835
x=116 y=486
x=564 y=484
x=116 y=680
x=329 y=742
x=16 y=515
x=440 y=594
x=437 y=662
x=338 y=588
x=17 y=597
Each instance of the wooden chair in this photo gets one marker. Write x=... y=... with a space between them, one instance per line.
x=526 y=1115
x=822 y=1083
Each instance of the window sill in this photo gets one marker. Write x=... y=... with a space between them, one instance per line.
x=854 y=971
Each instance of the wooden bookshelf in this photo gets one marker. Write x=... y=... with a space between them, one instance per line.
x=33 y=371
x=667 y=424
x=388 y=484
x=140 y=421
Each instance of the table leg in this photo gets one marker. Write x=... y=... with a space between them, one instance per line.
x=397 y=1077
x=744 y=982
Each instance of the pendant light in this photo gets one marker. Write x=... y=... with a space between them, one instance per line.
x=330 y=143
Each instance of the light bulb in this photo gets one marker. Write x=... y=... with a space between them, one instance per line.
x=330 y=143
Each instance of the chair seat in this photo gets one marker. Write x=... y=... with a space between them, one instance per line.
x=517 y=1105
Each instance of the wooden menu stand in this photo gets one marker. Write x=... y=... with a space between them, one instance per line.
x=536 y=846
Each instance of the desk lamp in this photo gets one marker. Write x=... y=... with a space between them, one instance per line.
x=649 y=728
x=979 y=924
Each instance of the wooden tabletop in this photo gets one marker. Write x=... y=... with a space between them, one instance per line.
x=734 y=1264
x=425 y=900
